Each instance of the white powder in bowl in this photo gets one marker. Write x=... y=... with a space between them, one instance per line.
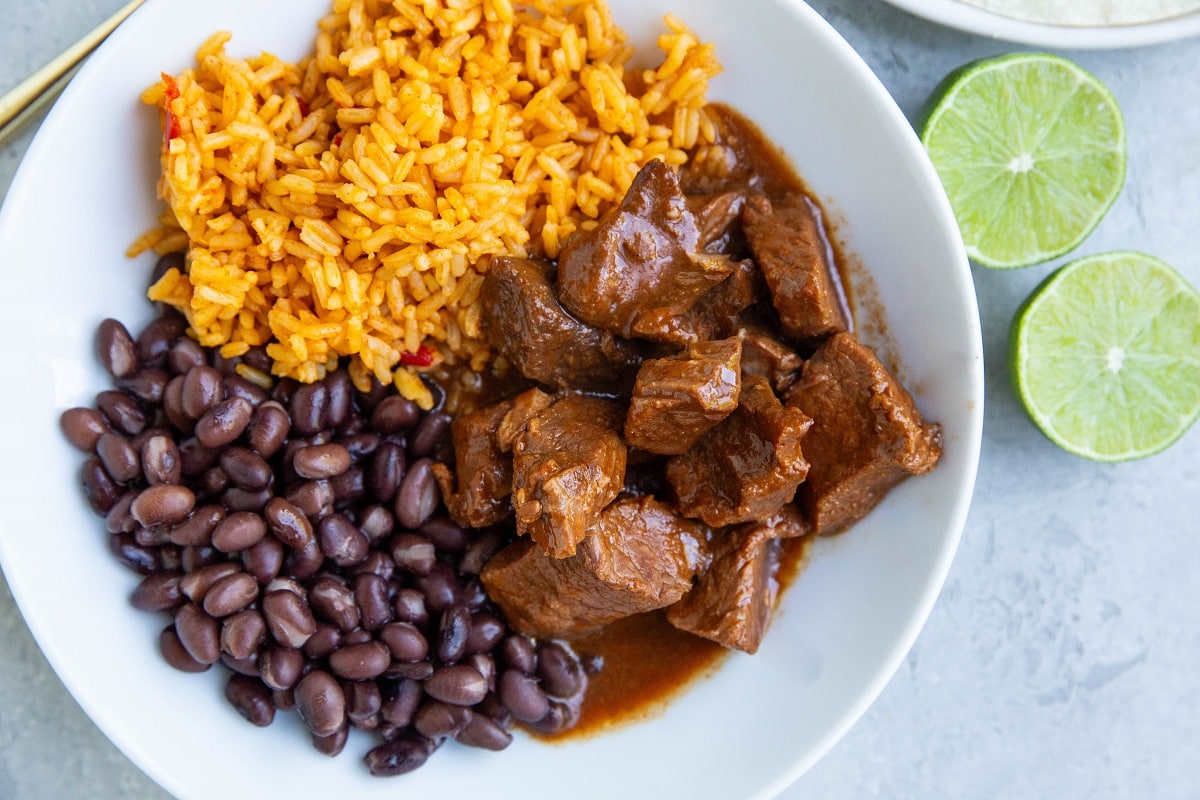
x=1088 y=12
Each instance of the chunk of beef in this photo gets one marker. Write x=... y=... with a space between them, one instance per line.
x=524 y=321
x=477 y=494
x=763 y=354
x=748 y=466
x=522 y=408
x=867 y=434
x=676 y=399
x=639 y=556
x=717 y=217
x=715 y=314
x=642 y=265
x=788 y=244
x=568 y=464
x=731 y=602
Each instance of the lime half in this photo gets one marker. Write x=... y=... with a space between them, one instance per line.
x=1106 y=356
x=1031 y=150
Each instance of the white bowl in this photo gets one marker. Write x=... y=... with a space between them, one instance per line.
x=973 y=19
x=86 y=190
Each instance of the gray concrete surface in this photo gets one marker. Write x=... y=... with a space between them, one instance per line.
x=1059 y=661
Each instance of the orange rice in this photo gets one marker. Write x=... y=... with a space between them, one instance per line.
x=341 y=207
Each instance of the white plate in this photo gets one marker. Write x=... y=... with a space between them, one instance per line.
x=86 y=190
x=973 y=19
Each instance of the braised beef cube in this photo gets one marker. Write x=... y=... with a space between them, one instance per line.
x=477 y=493
x=522 y=408
x=715 y=314
x=787 y=242
x=763 y=354
x=524 y=321
x=867 y=434
x=675 y=400
x=732 y=601
x=568 y=464
x=717 y=217
x=641 y=267
x=639 y=556
x=748 y=466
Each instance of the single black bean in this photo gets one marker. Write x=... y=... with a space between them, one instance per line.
x=308 y=408
x=458 y=684
x=333 y=602
x=230 y=595
x=185 y=354
x=242 y=666
x=151 y=537
x=519 y=653
x=559 y=717
x=429 y=431
x=321 y=702
x=409 y=605
x=147 y=384
x=83 y=427
x=399 y=706
x=412 y=552
x=197 y=556
x=472 y=594
x=521 y=695
x=487 y=630
x=453 y=630
x=386 y=471
x=268 y=428
x=405 y=641
x=175 y=654
x=164 y=504
x=374 y=606
x=100 y=490
x=161 y=460
x=440 y=587
x=340 y=403
x=479 y=551
x=235 y=498
x=559 y=671
x=485 y=665
x=213 y=482
x=196 y=583
x=172 y=405
x=398 y=757
x=154 y=342
x=446 y=534
x=493 y=709
x=324 y=641
x=158 y=591
x=284 y=699
x=119 y=457
x=321 y=461
x=348 y=488
x=334 y=743
x=243 y=633
x=377 y=562
x=202 y=389
x=288 y=617
x=288 y=523
x=305 y=562
x=363 y=703
x=195 y=458
x=285 y=389
x=199 y=633
x=238 y=531
x=376 y=523
x=251 y=699
x=482 y=731
x=436 y=719
x=263 y=560
x=119 y=518
x=416 y=670
x=340 y=541
x=246 y=468
x=280 y=667
x=417 y=497
x=394 y=414
x=360 y=662
x=360 y=446
x=224 y=422
x=121 y=411
x=117 y=351
x=237 y=386
x=197 y=528
x=170 y=557
x=313 y=498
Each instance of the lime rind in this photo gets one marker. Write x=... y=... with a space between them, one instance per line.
x=1105 y=356
x=1030 y=148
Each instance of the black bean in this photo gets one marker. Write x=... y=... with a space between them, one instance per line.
x=377 y=562
x=243 y=633
x=321 y=703
x=453 y=630
x=333 y=602
x=519 y=653
x=340 y=397
x=83 y=427
x=559 y=670
x=417 y=497
x=458 y=684
x=164 y=504
x=268 y=428
x=313 y=498
x=360 y=446
x=416 y=670
x=386 y=471
x=238 y=531
x=121 y=411
x=137 y=557
x=237 y=386
x=119 y=457
x=371 y=595
x=321 y=461
x=334 y=743
x=446 y=534
x=394 y=414
x=288 y=617
x=161 y=460
x=405 y=641
x=284 y=699
x=281 y=667
x=224 y=422
x=197 y=528
x=100 y=490
x=288 y=523
x=485 y=665
x=251 y=699
x=199 y=633
x=213 y=482
x=440 y=587
x=363 y=703
x=305 y=562
x=195 y=458
x=146 y=384
x=117 y=351
x=154 y=342
x=340 y=541
x=175 y=654
x=397 y=757
x=409 y=605
x=348 y=488
x=360 y=662
x=230 y=594
x=481 y=731
x=202 y=389
x=429 y=431
x=521 y=695
x=172 y=405
x=376 y=523
x=158 y=592
x=479 y=551
x=246 y=468
x=308 y=408
x=399 y=707
x=413 y=553
x=324 y=641
x=197 y=556
x=196 y=583
x=487 y=630
x=185 y=355
x=436 y=719
x=119 y=518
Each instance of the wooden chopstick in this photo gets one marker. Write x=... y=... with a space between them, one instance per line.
x=29 y=96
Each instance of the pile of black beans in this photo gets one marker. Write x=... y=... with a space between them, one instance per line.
x=295 y=535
